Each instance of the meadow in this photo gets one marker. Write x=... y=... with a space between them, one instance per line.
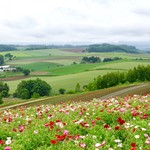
x=56 y=66
x=112 y=124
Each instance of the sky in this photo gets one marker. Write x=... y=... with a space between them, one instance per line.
x=74 y=21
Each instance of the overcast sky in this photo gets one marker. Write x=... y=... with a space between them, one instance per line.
x=74 y=21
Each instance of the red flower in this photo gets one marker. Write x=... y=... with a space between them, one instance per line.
x=144 y=116
x=106 y=126
x=2 y=142
x=133 y=144
x=53 y=141
x=120 y=121
x=98 y=118
x=134 y=114
x=133 y=148
x=14 y=129
x=117 y=127
x=134 y=129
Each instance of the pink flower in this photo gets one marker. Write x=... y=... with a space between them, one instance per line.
x=7 y=148
x=66 y=132
x=83 y=145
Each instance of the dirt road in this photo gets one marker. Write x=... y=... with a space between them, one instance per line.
x=113 y=94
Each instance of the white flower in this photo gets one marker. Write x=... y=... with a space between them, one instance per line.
x=117 y=140
x=110 y=149
x=35 y=132
x=94 y=136
x=97 y=145
x=143 y=129
x=8 y=141
x=137 y=136
x=119 y=144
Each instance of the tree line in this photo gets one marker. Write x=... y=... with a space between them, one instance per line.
x=93 y=59
x=139 y=73
x=7 y=47
x=112 y=48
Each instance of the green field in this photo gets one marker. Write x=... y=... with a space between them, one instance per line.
x=69 y=81
x=63 y=74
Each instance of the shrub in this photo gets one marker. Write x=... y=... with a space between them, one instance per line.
x=26 y=72
x=61 y=91
x=71 y=92
x=4 y=89
x=35 y=95
x=1 y=100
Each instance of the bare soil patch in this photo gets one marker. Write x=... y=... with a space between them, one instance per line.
x=39 y=73
x=13 y=78
x=76 y=50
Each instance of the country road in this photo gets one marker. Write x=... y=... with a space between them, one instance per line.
x=113 y=94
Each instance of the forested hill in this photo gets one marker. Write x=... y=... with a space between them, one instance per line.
x=112 y=48
x=7 y=48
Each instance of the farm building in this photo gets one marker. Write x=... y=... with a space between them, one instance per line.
x=6 y=68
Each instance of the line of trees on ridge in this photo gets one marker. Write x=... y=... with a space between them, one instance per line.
x=112 y=48
x=93 y=59
x=139 y=73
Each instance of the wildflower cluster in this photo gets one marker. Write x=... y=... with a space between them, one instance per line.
x=115 y=123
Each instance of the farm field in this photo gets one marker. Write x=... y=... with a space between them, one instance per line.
x=115 y=123
x=69 y=76
x=55 y=66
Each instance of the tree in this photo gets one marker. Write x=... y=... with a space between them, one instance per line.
x=30 y=88
x=9 y=56
x=1 y=100
x=91 y=59
x=26 y=72
x=1 y=59
x=62 y=91
x=4 y=89
x=77 y=89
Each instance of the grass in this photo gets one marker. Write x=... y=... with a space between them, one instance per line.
x=11 y=101
x=86 y=96
x=39 y=66
x=67 y=81
x=68 y=76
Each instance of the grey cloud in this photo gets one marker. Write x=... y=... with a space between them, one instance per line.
x=23 y=23
x=144 y=12
x=65 y=11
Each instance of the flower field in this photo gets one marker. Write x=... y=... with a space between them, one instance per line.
x=113 y=124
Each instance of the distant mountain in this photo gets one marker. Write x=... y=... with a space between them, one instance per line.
x=7 y=48
x=112 y=48
x=37 y=47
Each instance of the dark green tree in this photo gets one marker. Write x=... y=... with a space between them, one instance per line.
x=9 y=56
x=1 y=60
x=61 y=91
x=4 y=89
x=30 y=88
x=1 y=100
x=26 y=72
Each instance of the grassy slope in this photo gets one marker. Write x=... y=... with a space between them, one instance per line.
x=70 y=76
x=83 y=96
